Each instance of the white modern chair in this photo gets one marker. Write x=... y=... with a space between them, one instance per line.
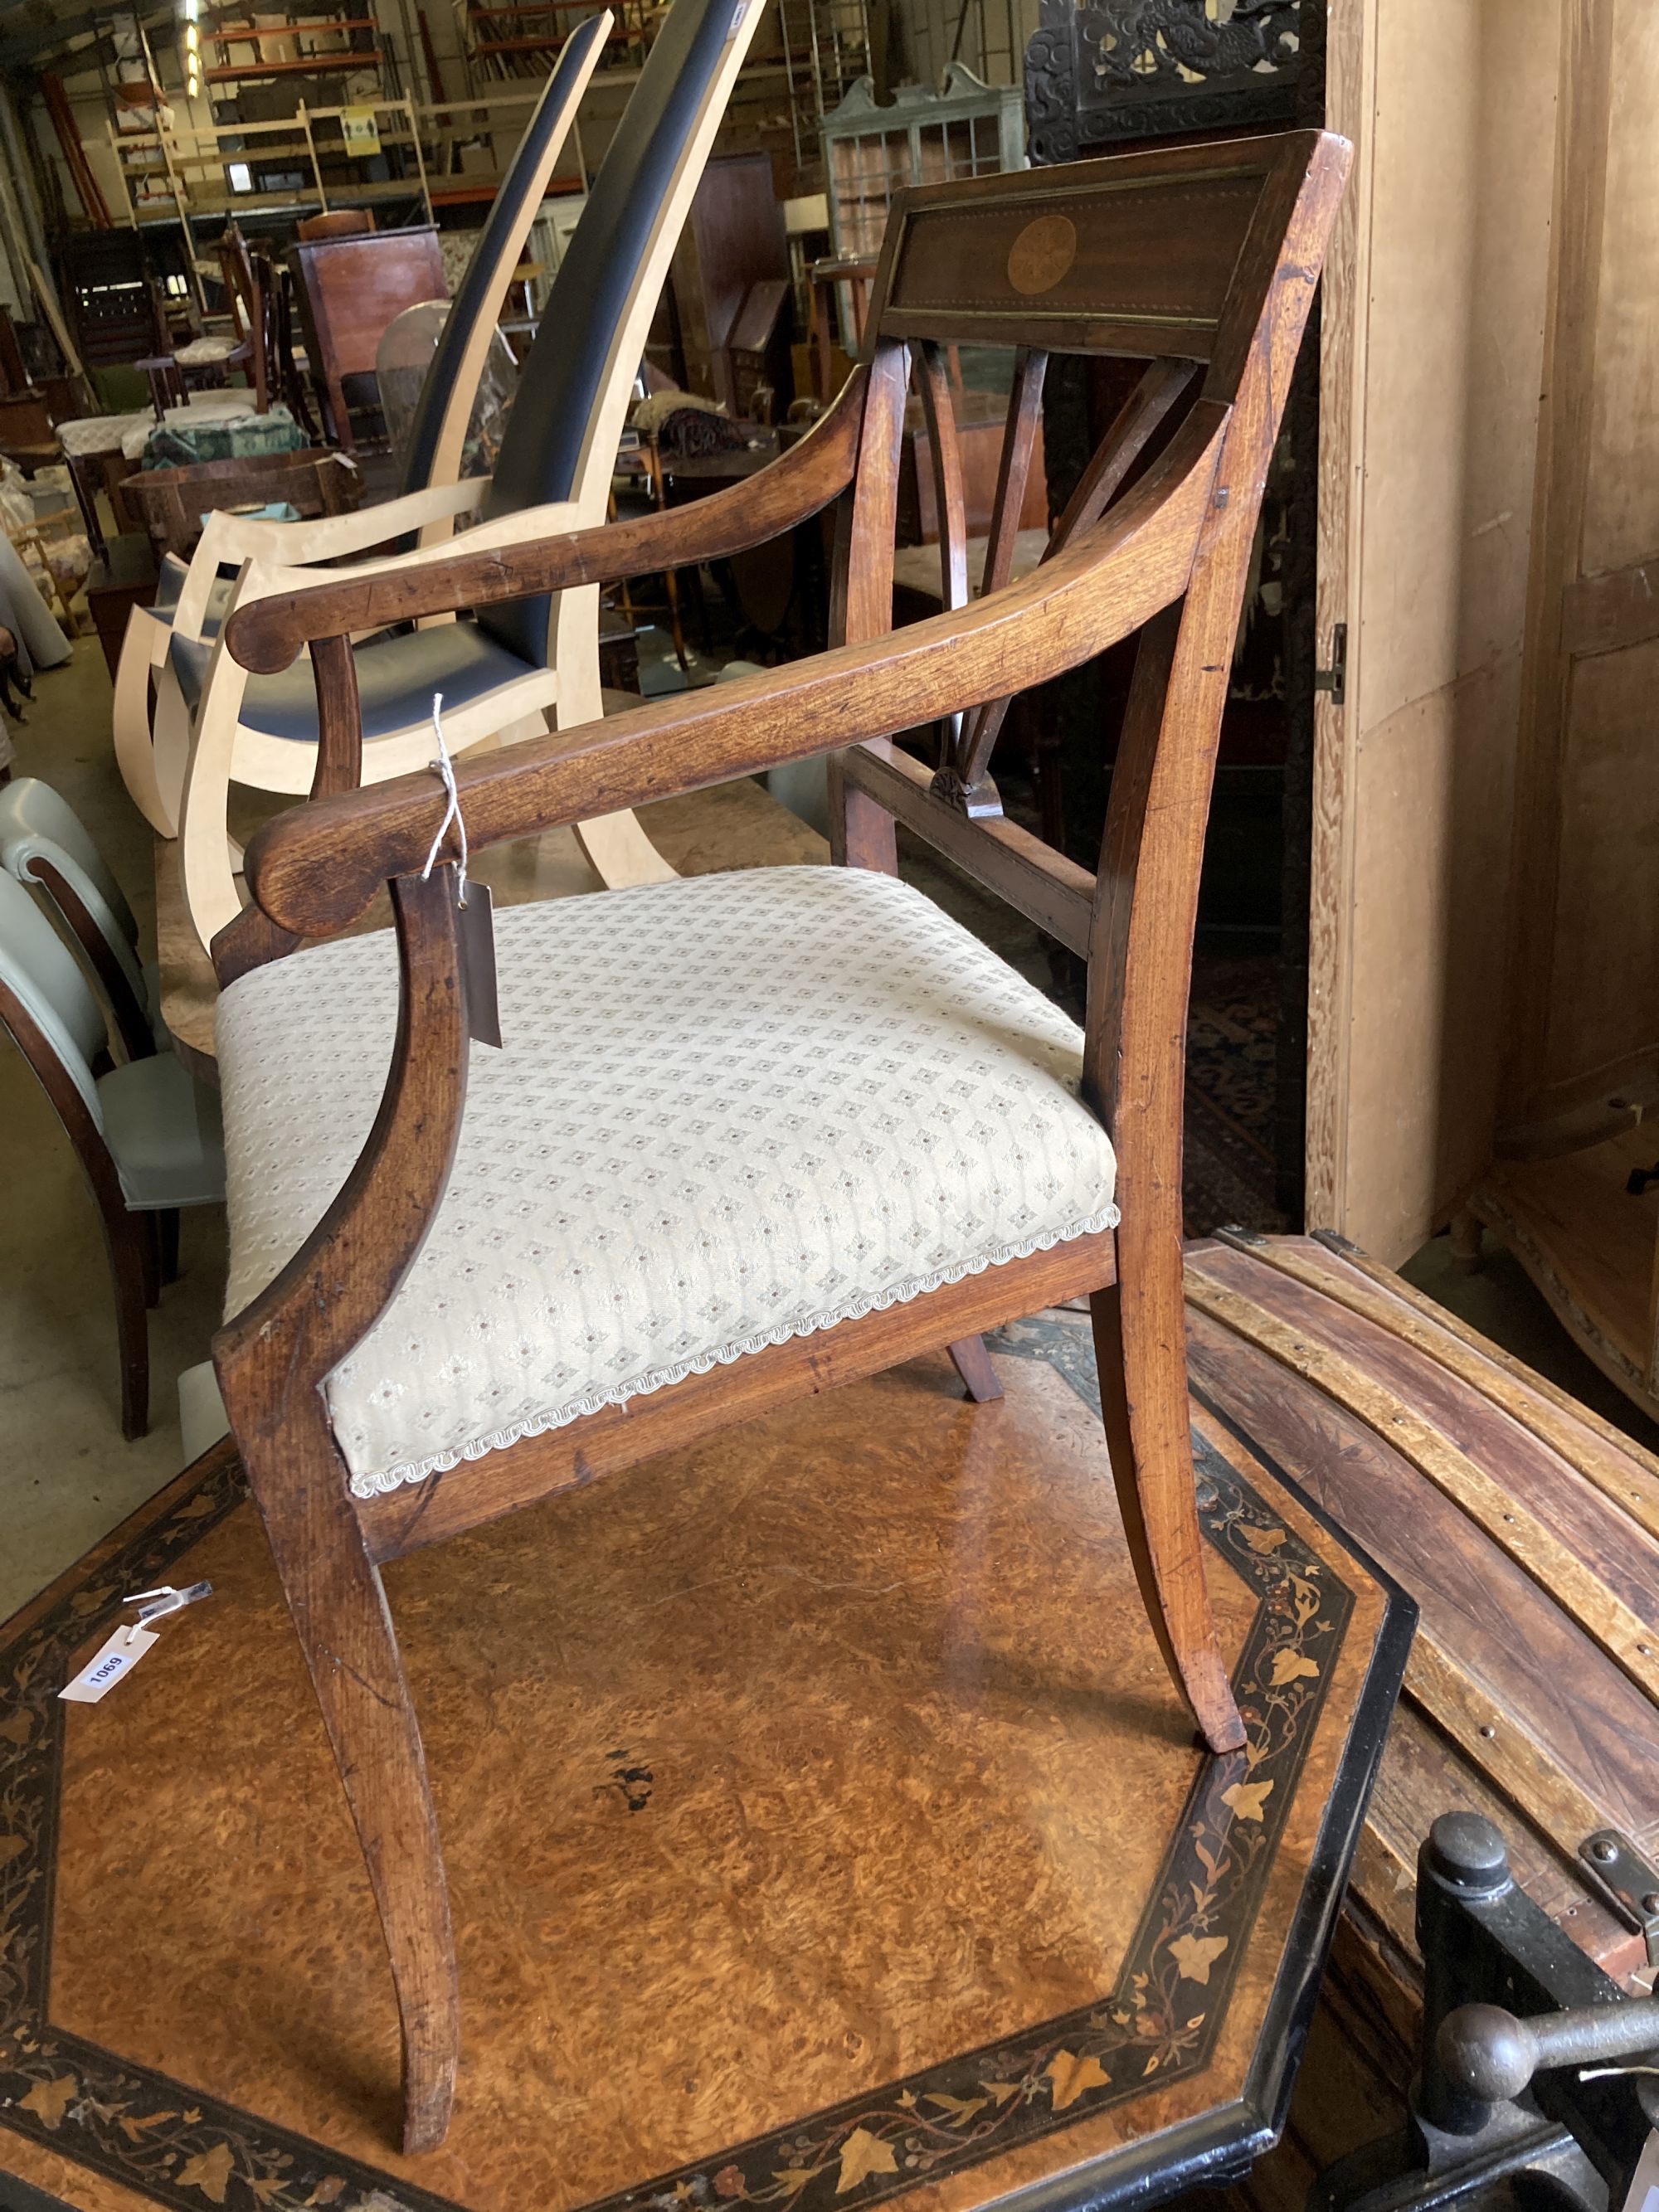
x=507 y=674
x=516 y=669
x=147 y=1137
x=45 y=844
x=194 y=597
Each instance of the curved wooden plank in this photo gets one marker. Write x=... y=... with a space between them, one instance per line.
x=1620 y=1632
x=1616 y=1465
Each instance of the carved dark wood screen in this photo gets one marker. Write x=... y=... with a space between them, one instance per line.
x=1096 y=75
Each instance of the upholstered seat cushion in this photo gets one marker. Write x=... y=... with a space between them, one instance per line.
x=728 y=1111
x=396 y=679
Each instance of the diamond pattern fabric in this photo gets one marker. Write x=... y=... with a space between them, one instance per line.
x=729 y=1110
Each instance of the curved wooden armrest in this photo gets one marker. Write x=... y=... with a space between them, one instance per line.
x=314 y=870
x=267 y=638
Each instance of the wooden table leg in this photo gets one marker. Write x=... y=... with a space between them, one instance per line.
x=86 y=497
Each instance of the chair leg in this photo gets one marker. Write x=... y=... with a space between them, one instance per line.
x=166 y=1224
x=129 y=1249
x=149 y=1256
x=973 y=1364
x=335 y=1596
x=1143 y=1397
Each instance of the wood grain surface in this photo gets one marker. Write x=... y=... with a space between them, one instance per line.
x=762 y=1810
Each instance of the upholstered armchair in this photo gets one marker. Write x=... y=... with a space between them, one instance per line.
x=748 y=1137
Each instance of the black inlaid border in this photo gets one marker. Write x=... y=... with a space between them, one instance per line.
x=183 y=2148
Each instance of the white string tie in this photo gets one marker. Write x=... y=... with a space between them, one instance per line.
x=444 y=767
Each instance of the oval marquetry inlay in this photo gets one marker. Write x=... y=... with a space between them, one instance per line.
x=1042 y=254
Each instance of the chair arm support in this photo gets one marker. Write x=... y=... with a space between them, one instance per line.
x=314 y=870
x=475 y=571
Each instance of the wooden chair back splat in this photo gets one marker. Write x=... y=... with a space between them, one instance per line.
x=1200 y=259
x=245 y=288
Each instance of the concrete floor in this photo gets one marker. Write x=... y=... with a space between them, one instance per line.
x=66 y=1475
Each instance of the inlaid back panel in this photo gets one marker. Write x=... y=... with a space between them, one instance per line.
x=1130 y=261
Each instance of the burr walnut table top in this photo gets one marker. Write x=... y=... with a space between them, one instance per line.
x=822 y=1827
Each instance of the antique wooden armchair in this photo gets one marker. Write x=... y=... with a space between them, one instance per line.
x=752 y=1135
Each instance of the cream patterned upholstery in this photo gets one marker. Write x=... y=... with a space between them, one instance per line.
x=87 y=436
x=729 y=1110
x=206 y=353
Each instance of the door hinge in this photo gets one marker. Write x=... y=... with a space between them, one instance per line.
x=1335 y=679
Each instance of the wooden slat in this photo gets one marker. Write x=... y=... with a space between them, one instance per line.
x=1014 y=469
x=940 y=408
x=1625 y=1475
x=1040 y=883
x=1621 y=1633
x=1492 y=1740
x=316 y=66
x=1135 y=424
x=944 y=450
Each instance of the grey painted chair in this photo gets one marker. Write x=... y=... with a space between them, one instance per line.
x=43 y=843
x=147 y=1136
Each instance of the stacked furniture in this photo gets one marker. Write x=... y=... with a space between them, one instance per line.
x=152 y=746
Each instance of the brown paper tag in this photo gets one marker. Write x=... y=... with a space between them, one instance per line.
x=475 y=925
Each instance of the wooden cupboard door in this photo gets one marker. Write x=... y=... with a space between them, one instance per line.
x=1435 y=303
x=1585 y=987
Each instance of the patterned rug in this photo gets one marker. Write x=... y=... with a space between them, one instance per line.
x=1232 y=1043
